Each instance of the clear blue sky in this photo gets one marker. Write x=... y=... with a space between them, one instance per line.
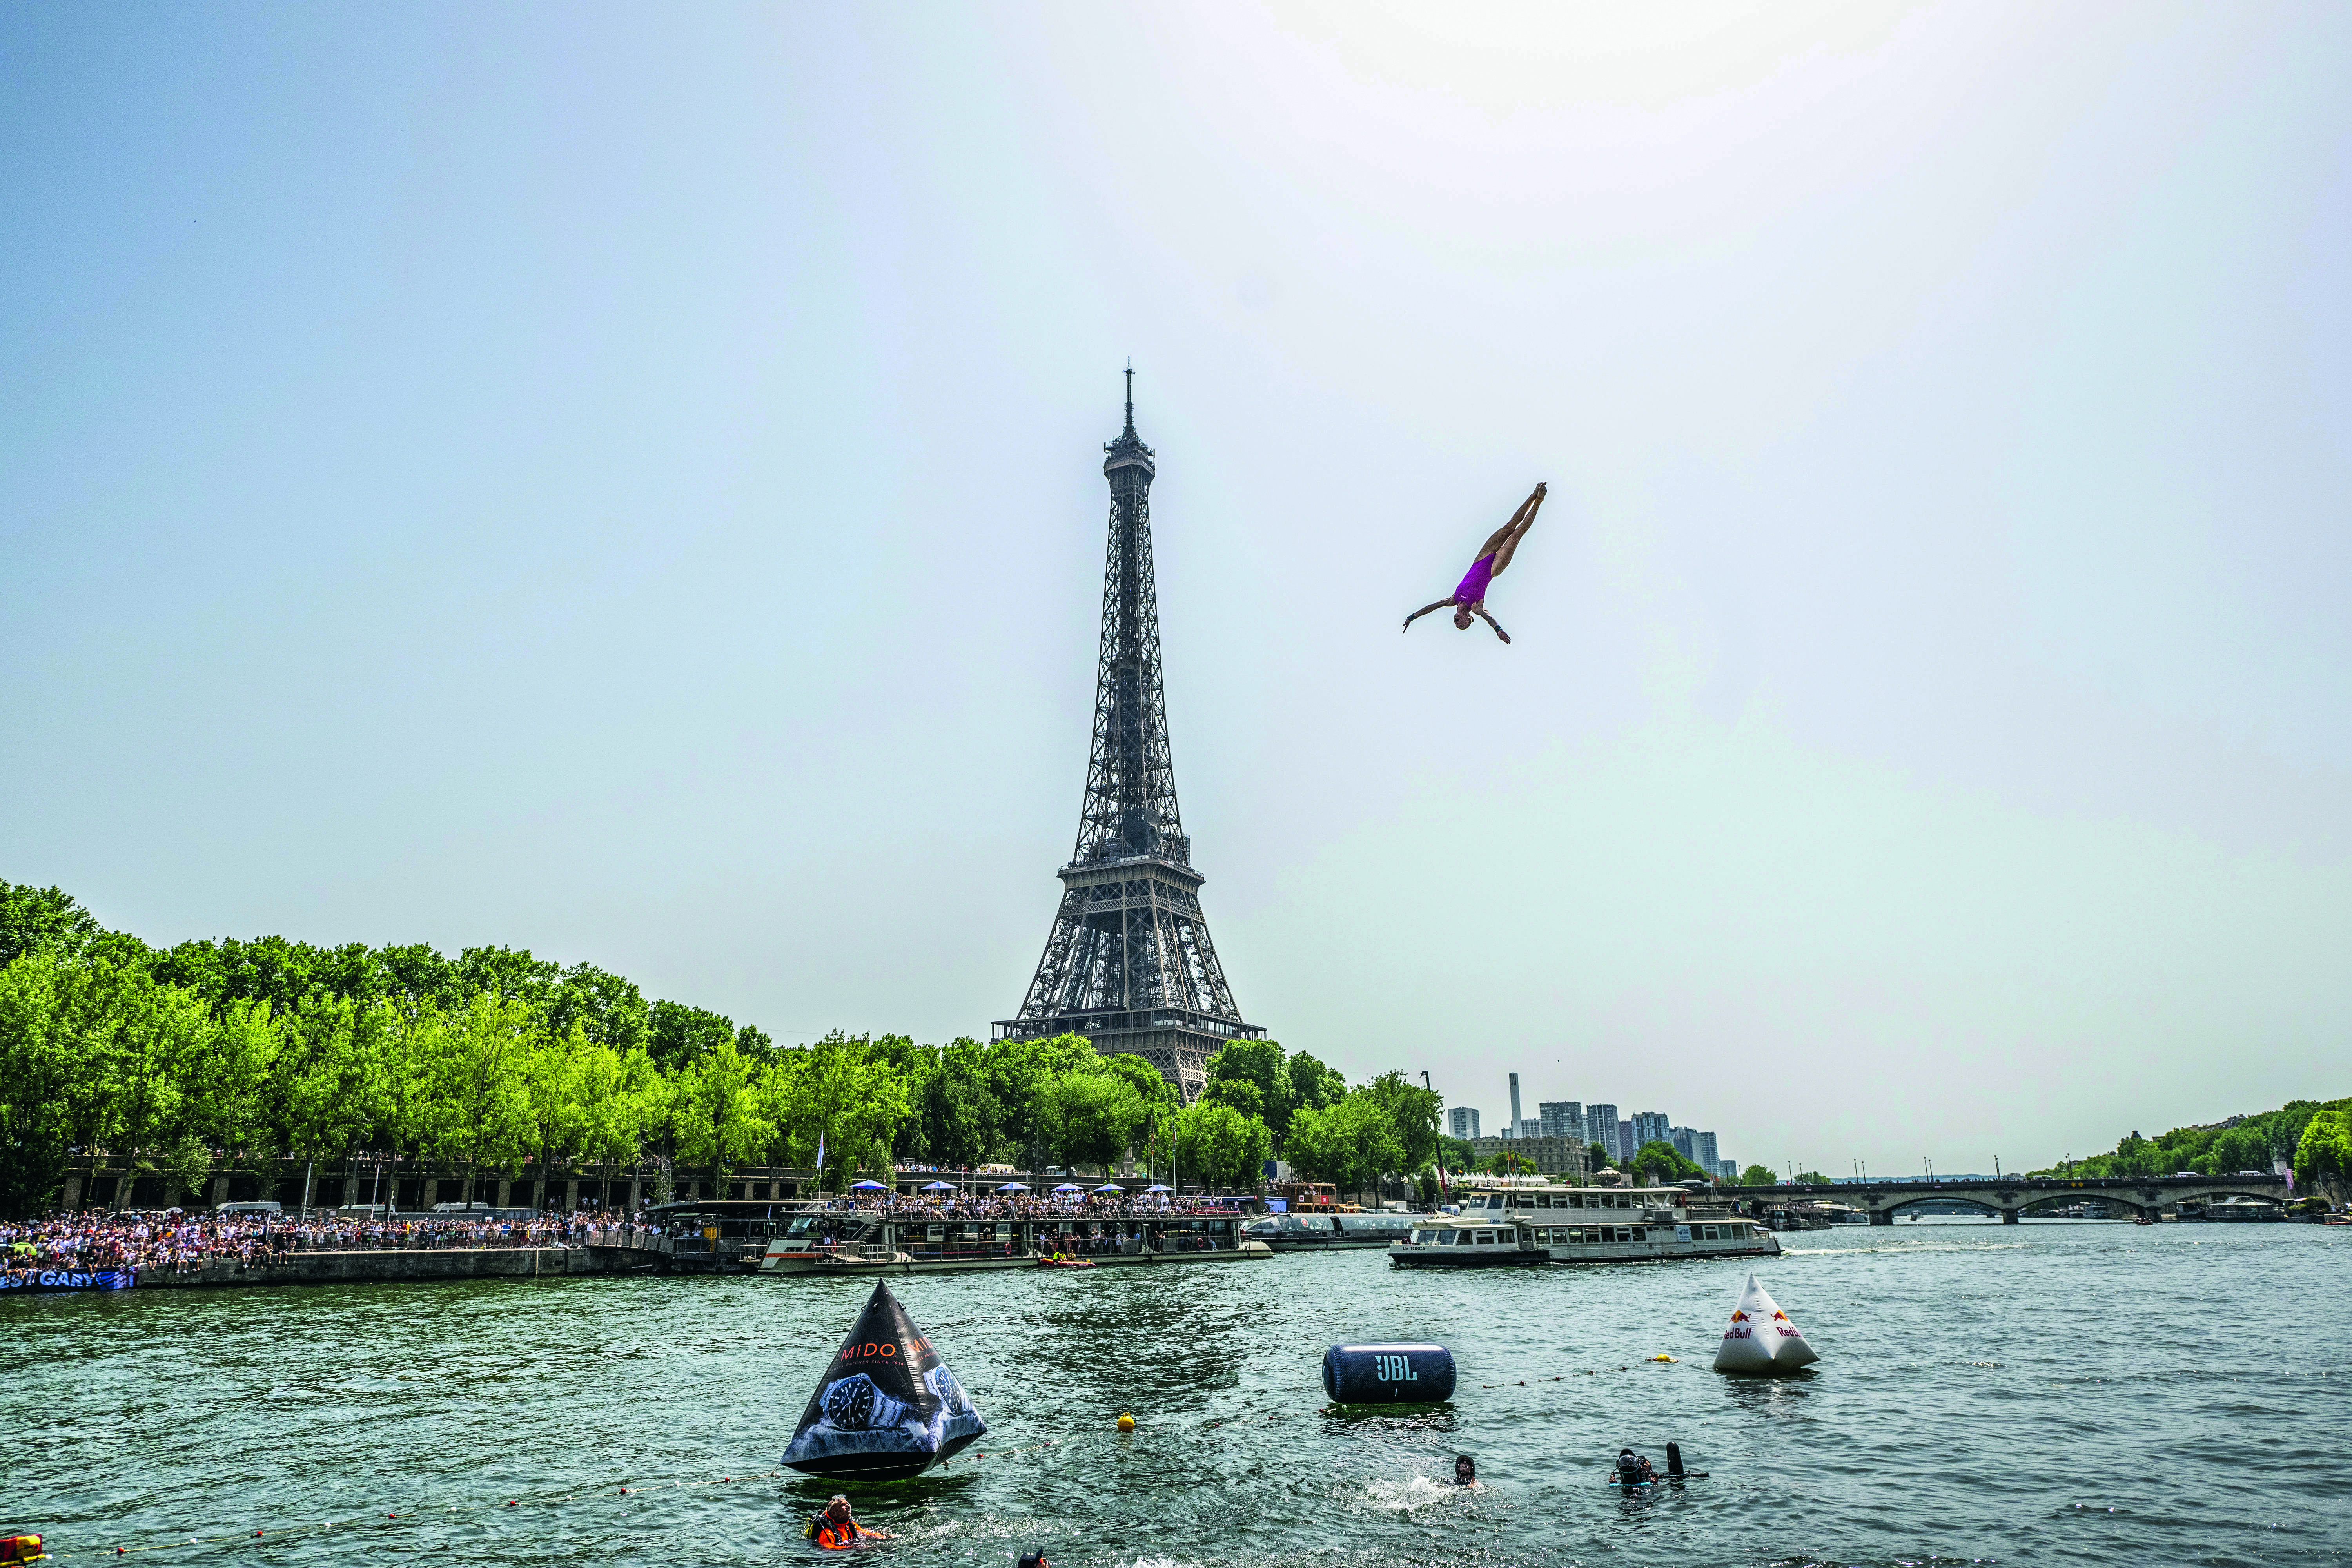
x=625 y=483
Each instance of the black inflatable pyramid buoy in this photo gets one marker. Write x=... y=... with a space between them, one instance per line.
x=886 y=1409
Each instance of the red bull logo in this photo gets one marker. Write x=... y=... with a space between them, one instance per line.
x=1739 y=1316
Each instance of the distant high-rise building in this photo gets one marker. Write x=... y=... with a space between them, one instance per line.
x=1601 y=1127
x=1703 y=1151
x=1649 y=1127
x=1626 y=1147
x=1462 y=1122
x=1683 y=1139
x=1561 y=1119
x=1728 y=1169
x=1511 y=1128
x=1531 y=1127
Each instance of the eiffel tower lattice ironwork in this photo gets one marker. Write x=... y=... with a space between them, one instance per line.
x=1129 y=964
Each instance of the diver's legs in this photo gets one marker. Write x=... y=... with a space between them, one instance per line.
x=1510 y=544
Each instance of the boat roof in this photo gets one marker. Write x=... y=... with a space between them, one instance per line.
x=1534 y=1186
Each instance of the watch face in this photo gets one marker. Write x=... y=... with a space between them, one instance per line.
x=849 y=1404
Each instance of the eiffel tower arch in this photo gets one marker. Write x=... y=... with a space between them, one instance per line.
x=1129 y=964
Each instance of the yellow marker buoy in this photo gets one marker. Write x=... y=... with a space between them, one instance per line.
x=1661 y=1358
x=1126 y=1422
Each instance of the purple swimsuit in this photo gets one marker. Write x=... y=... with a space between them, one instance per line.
x=1472 y=590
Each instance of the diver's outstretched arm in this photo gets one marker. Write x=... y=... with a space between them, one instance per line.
x=1480 y=611
x=1424 y=610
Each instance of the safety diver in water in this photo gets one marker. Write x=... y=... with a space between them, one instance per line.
x=833 y=1528
x=1632 y=1469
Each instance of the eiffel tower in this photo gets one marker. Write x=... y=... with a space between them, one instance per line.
x=1129 y=964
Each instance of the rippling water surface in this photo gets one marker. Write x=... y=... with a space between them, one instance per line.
x=2054 y=1393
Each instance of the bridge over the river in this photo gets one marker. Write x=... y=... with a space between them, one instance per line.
x=2014 y=1197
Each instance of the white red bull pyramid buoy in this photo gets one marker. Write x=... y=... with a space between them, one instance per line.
x=1762 y=1338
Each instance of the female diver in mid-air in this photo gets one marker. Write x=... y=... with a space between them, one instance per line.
x=1469 y=598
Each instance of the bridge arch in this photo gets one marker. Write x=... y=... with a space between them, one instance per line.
x=2224 y=1190
x=2029 y=1202
x=1897 y=1206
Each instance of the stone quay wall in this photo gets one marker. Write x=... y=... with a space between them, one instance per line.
x=398 y=1265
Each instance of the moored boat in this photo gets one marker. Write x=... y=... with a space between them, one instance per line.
x=869 y=1241
x=1532 y=1226
x=1326 y=1232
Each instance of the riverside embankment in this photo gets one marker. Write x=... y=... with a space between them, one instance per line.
x=399 y=1266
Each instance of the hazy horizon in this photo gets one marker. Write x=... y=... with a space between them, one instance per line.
x=628 y=486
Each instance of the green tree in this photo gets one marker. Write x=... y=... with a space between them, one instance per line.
x=1091 y=1116
x=680 y=1034
x=1260 y=1065
x=556 y=1090
x=722 y=1122
x=1219 y=1147
x=334 y=1072
x=1238 y=1092
x=1312 y=1086
x=1659 y=1162
x=2323 y=1152
x=42 y=920
x=956 y=1111
x=620 y=1095
x=41 y=1062
x=1758 y=1176
x=1414 y=1110
x=1351 y=1144
x=476 y=1108
x=1018 y=1072
x=836 y=1094
x=608 y=1009
x=417 y=980
x=508 y=974
x=233 y=1082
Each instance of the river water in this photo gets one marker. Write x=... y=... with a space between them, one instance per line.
x=2046 y=1393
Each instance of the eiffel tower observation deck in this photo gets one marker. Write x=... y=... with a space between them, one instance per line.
x=1129 y=964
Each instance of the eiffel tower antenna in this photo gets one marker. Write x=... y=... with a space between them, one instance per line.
x=1128 y=964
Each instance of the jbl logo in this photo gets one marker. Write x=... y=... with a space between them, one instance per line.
x=1394 y=1369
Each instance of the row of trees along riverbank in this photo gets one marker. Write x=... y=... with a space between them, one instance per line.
x=249 y=1055
x=2315 y=1135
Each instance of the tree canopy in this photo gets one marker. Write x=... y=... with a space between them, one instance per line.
x=232 y=1053
x=2223 y=1148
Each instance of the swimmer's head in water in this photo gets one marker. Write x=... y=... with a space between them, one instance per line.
x=1032 y=1560
x=838 y=1509
x=1464 y=1468
x=1461 y=618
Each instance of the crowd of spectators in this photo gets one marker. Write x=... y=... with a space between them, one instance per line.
x=1032 y=1206
x=181 y=1243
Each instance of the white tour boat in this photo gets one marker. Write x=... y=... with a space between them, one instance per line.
x=1528 y=1223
